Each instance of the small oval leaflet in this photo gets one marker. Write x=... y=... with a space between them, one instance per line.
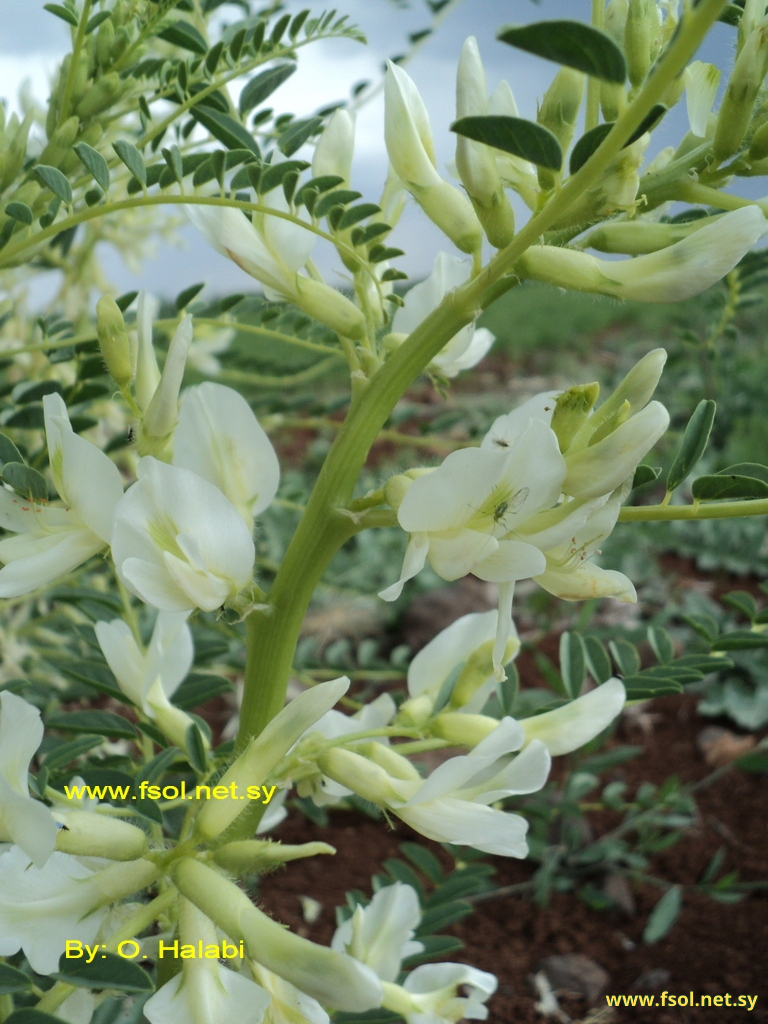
x=514 y=135
x=694 y=443
x=571 y=43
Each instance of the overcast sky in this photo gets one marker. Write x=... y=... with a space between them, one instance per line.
x=32 y=43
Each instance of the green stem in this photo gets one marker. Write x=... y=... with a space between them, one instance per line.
x=263 y=380
x=271 y=637
x=592 y=116
x=76 y=48
x=708 y=510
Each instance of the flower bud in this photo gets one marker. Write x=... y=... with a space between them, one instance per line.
x=101 y=96
x=558 y=112
x=636 y=389
x=758 y=147
x=701 y=82
x=670 y=275
x=89 y=834
x=329 y=306
x=408 y=137
x=162 y=412
x=395 y=488
x=333 y=153
x=752 y=15
x=743 y=86
x=636 y=237
x=463 y=730
x=104 y=40
x=147 y=370
x=478 y=669
x=113 y=341
x=121 y=880
x=572 y=408
x=394 y=764
x=16 y=152
x=640 y=38
x=60 y=142
x=334 y=979
x=120 y=44
x=362 y=776
x=256 y=856
x=476 y=162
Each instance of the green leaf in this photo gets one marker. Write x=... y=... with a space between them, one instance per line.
x=65 y=753
x=184 y=297
x=27 y=1015
x=182 y=34
x=195 y=748
x=339 y=197
x=94 y=163
x=225 y=128
x=649 y=122
x=721 y=486
x=8 y=451
x=436 y=947
x=571 y=43
x=514 y=135
x=434 y=919
x=753 y=469
x=742 y=601
x=263 y=85
x=694 y=443
x=598 y=661
x=62 y=12
x=642 y=687
x=572 y=663
x=740 y=640
x=25 y=481
x=297 y=133
x=610 y=759
x=103 y=723
x=357 y=213
x=197 y=688
x=132 y=159
x=661 y=643
x=645 y=475
x=587 y=145
x=96 y=20
x=20 y=212
x=13 y=980
x=107 y=971
x=755 y=762
x=154 y=770
x=663 y=915
x=54 y=180
x=424 y=860
x=704 y=625
x=24 y=393
x=29 y=417
x=272 y=175
x=625 y=655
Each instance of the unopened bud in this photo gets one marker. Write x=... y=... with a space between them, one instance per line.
x=329 y=306
x=104 y=40
x=89 y=834
x=572 y=408
x=79 y=85
x=260 y=856
x=16 y=152
x=333 y=153
x=394 y=764
x=636 y=237
x=100 y=96
x=743 y=86
x=640 y=32
x=477 y=670
x=452 y=212
x=463 y=730
x=119 y=46
x=621 y=415
x=361 y=775
x=634 y=392
x=752 y=15
x=758 y=147
x=558 y=112
x=475 y=162
x=60 y=143
x=113 y=341
x=162 y=413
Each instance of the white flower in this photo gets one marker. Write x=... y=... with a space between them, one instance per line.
x=161 y=414
x=429 y=994
x=40 y=908
x=476 y=162
x=219 y=438
x=701 y=82
x=466 y=645
x=381 y=934
x=669 y=275
x=408 y=138
x=150 y=678
x=561 y=731
x=288 y=1004
x=52 y=540
x=178 y=542
x=334 y=150
x=147 y=370
x=452 y=804
x=204 y=992
x=470 y=345
x=23 y=821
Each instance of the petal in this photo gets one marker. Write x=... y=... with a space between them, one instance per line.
x=451 y=364
x=434 y=663
x=468 y=824
x=453 y=555
x=219 y=438
x=147 y=371
x=170 y=653
x=413 y=563
x=527 y=773
x=56 y=555
x=428 y=978
x=203 y=589
x=512 y=560
x=28 y=823
x=154 y=585
x=603 y=466
x=571 y=726
x=21 y=733
x=123 y=656
x=452 y=495
x=505 y=430
x=587 y=581
x=449 y=272
x=162 y=412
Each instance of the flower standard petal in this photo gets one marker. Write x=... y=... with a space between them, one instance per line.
x=413 y=563
x=219 y=438
x=380 y=935
x=463 y=823
x=506 y=429
x=571 y=726
x=434 y=662
x=46 y=558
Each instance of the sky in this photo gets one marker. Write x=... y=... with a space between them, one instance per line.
x=32 y=43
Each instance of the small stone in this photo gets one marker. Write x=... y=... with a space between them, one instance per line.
x=575 y=973
x=651 y=980
x=720 y=746
x=617 y=889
